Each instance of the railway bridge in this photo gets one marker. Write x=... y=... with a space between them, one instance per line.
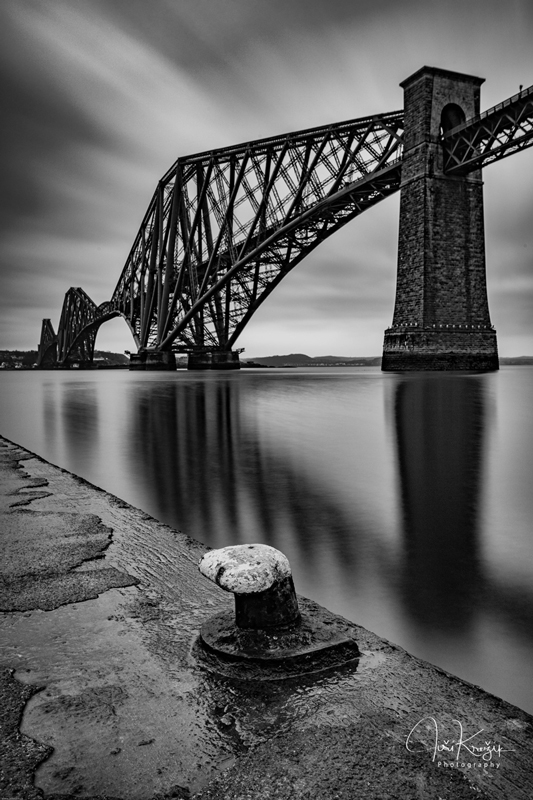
x=225 y=226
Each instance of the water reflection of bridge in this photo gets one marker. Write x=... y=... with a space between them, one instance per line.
x=214 y=477
x=440 y=428
x=440 y=437
x=212 y=474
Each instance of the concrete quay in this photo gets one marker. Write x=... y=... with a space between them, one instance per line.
x=105 y=692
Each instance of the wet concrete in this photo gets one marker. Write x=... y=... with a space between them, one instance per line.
x=107 y=692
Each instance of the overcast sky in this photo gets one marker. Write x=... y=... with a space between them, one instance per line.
x=99 y=98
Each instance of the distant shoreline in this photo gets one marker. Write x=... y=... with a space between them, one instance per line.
x=301 y=360
x=25 y=359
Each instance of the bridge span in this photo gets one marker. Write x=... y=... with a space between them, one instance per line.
x=225 y=226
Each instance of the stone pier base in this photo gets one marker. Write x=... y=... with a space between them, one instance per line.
x=153 y=360
x=444 y=348
x=214 y=360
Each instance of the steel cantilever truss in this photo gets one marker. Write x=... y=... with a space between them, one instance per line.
x=47 y=353
x=78 y=326
x=498 y=132
x=224 y=227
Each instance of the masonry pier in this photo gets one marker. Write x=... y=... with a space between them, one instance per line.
x=153 y=360
x=204 y=359
x=214 y=359
x=441 y=316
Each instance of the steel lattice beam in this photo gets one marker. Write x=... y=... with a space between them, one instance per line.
x=225 y=226
x=498 y=132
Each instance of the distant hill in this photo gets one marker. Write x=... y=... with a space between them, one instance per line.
x=516 y=360
x=292 y=360
x=302 y=360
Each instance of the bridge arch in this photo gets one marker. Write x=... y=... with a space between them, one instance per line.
x=115 y=335
x=81 y=348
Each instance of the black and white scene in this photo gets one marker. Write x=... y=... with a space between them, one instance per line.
x=266 y=391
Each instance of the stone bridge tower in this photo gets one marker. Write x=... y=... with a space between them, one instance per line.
x=441 y=317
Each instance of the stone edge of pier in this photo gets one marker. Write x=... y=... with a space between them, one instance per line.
x=362 y=753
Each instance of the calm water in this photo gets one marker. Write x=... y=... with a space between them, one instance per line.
x=404 y=503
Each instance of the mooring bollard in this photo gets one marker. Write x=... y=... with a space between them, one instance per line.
x=268 y=627
x=260 y=578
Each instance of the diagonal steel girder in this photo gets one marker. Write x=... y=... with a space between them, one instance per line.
x=498 y=132
x=225 y=226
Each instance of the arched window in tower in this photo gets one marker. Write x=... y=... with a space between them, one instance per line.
x=451 y=116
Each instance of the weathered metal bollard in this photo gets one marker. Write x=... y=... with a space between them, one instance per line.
x=268 y=626
x=260 y=578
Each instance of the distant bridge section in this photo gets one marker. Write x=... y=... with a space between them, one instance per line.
x=498 y=132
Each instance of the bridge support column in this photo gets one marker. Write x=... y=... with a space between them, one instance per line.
x=441 y=317
x=153 y=360
x=216 y=359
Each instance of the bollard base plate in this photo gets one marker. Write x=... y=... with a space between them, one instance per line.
x=320 y=641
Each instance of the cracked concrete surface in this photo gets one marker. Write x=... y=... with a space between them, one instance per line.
x=107 y=694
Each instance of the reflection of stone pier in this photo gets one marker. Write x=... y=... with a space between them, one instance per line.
x=439 y=430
